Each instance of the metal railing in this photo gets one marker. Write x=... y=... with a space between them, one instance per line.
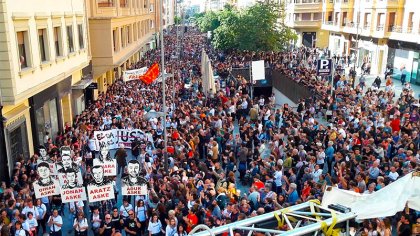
x=380 y=28
x=105 y=3
x=366 y=27
x=396 y=29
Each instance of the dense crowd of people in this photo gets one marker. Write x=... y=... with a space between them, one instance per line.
x=219 y=142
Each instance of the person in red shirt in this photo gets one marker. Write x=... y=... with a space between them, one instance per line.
x=257 y=182
x=395 y=124
x=191 y=219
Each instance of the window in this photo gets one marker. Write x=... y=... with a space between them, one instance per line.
x=129 y=39
x=105 y=3
x=57 y=42
x=42 y=40
x=81 y=36
x=70 y=38
x=306 y=16
x=122 y=37
x=152 y=24
x=123 y=3
x=114 y=39
x=23 y=47
x=317 y=16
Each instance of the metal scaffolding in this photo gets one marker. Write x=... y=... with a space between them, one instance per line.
x=301 y=219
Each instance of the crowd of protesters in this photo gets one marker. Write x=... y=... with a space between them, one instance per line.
x=216 y=143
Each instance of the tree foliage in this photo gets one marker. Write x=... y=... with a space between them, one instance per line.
x=258 y=28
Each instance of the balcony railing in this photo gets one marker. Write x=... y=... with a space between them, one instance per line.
x=409 y=30
x=380 y=28
x=329 y=22
x=366 y=27
x=106 y=3
x=396 y=29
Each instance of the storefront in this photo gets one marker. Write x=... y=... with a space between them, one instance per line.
x=403 y=54
x=46 y=111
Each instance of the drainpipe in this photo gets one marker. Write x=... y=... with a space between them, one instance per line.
x=4 y=171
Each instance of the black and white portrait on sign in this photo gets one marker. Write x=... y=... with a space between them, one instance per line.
x=104 y=159
x=73 y=190
x=99 y=178
x=133 y=183
x=72 y=180
x=46 y=185
x=43 y=155
x=66 y=164
x=104 y=154
x=100 y=188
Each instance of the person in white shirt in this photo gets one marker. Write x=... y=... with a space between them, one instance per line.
x=31 y=223
x=80 y=224
x=171 y=227
x=55 y=222
x=30 y=208
x=19 y=231
x=316 y=172
x=278 y=176
x=155 y=226
x=393 y=174
x=125 y=208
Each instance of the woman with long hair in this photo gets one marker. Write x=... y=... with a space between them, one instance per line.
x=142 y=215
x=181 y=231
x=155 y=226
x=80 y=225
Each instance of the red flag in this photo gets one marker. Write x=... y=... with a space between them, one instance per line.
x=151 y=75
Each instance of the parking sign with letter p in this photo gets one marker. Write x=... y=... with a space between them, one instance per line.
x=324 y=67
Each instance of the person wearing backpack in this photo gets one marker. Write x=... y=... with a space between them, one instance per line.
x=80 y=225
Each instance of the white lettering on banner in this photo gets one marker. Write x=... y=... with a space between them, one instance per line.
x=113 y=138
x=102 y=193
x=134 y=190
x=110 y=167
x=45 y=191
x=72 y=195
x=134 y=74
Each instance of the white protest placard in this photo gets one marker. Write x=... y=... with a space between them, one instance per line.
x=68 y=179
x=110 y=167
x=133 y=183
x=53 y=169
x=73 y=194
x=100 y=193
x=45 y=190
x=134 y=190
x=113 y=138
x=129 y=75
x=258 y=70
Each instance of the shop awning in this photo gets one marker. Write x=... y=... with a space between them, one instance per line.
x=82 y=84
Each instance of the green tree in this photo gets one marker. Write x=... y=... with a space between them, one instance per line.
x=258 y=28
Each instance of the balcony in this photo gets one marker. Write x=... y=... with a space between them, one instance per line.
x=331 y=26
x=305 y=24
x=308 y=6
x=406 y=34
x=380 y=27
x=106 y=3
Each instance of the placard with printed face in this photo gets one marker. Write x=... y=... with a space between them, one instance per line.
x=100 y=188
x=133 y=183
x=46 y=185
x=104 y=159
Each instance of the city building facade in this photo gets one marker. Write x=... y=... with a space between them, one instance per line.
x=378 y=32
x=120 y=32
x=44 y=53
x=305 y=17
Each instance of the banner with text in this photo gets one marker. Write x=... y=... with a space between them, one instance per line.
x=45 y=190
x=113 y=138
x=129 y=75
x=100 y=193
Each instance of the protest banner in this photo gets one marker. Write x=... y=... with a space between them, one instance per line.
x=113 y=138
x=129 y=75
